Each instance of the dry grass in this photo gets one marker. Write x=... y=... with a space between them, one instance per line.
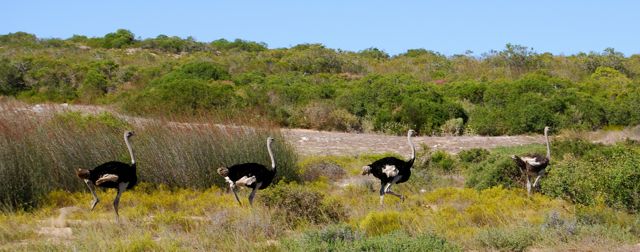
x=40 y=154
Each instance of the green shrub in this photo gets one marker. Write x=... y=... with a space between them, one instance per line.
x=475 y=155
x=378 y=223
x=343 y=238
x=496 y=169
x=611 y=173
x=178 y=95
x=400 y=241
x=511 y=239
x=204 y=70
x=299 y=204
x=442 y=160
x=574 y=147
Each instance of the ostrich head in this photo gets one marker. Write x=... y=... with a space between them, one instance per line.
x=223 y=171
x=514 y=157
x=270 y=140
x=128 y=134
x=82 y=173
x=366 y=170
x=411 y=132
x=546 y=129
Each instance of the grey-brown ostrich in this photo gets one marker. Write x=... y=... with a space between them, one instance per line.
x=534 y=164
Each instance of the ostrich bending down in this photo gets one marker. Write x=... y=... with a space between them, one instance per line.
x=251 y=175
x=112 y=174
x=390 y=170
x=534 y=164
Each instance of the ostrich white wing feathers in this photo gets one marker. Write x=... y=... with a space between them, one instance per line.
x=530 y=161
x=228 y=180
x=390 y=170
x=246 y=180
x=107 y=178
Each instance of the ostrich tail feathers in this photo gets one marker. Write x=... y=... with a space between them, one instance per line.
x=366 y=170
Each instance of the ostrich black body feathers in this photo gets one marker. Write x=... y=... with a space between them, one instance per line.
x=252 y=175
x=260 y=172
x=391 y=170
x=125 y=172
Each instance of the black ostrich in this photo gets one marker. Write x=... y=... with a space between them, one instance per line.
x=390 y=170
x=112 y=174
x=534 y=164
x=252 y=175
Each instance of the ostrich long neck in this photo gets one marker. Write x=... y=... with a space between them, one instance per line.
x=133 y=159
x=273 y=161
x=413 y=147
x=548 y=147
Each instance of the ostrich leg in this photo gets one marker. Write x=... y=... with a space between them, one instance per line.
x=92 y=188
x=253 y=193
x=535 y=182
x=388 y=190
x=382 y=191
x=121 y=188
x=233 y=189
x=528 y=186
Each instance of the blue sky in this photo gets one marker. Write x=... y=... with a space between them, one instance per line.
x=449 y=27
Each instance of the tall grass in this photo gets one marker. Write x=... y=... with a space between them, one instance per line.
x=41 y=153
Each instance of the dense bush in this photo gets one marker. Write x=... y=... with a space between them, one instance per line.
x=442 y=161
x=400 y=99
x=511 y=91
x=474 y=155
x=495 y=170
x=299 y=205
x=579 y=171
x=610 y=173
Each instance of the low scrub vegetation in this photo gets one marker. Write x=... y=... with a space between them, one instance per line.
x=511 y=91
x=156 y=217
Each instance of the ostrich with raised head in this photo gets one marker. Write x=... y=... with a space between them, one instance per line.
x=252 y=175
x=534 y=164
x=390 y=170
x=112 y=174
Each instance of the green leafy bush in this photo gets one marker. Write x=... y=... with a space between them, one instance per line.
x=474 y=155
x=511 y=91
x=442 y=160
x=611 y=173
x=299 y=204
x=496 y=170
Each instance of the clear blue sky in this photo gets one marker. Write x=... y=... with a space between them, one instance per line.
x=449 y=27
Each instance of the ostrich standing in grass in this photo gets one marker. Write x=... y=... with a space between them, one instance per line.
x=390 y=170
x=534 y=164
x=112 y=174
x=252 y=175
